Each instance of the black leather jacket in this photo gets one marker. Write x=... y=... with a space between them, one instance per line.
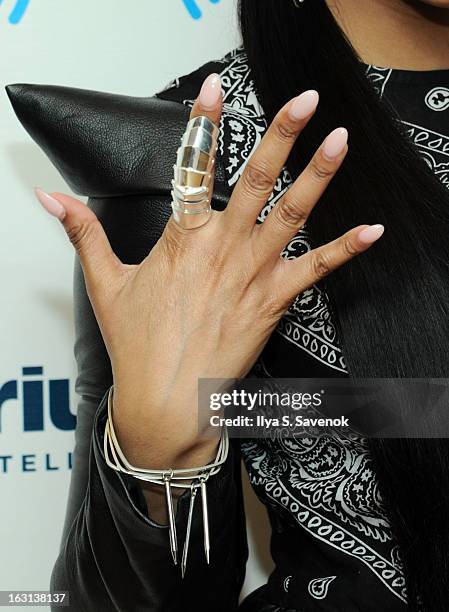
x=113 y=557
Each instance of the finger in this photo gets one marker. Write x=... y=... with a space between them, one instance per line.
x=208 y=104
x=86 y=233
x=298 y=275
x=263 y=168
x=293 y=210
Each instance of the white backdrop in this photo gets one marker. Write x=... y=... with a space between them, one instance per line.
x=132 y=47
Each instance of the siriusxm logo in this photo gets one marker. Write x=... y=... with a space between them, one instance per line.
x=193 y=8
x=18 y=11
x=33 y=411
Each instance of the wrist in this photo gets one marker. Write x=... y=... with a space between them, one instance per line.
x=154 y=434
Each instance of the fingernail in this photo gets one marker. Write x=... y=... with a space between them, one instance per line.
x=335 y=143
x=51 y=205
x=304 y=105
x=371 y=234
x=210 y=92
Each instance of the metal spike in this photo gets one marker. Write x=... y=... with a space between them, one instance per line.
x=171 y=520
x=185 y=551
x=205 y=520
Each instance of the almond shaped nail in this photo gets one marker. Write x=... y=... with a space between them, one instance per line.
x=371 y=234
x=304 y=105
x=335 y=143
x=210 y=92
x=50 y=204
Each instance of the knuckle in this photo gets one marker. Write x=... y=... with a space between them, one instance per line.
x=274 y=307
x=320 y=172
x=349 y=248
x=202 y=243
x=320 y=265
x=81 y=235
x=174 y=238
x=290 y=214
x=284 y=132
x=258 y=180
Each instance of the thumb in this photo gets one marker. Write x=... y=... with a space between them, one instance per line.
x=86 y=233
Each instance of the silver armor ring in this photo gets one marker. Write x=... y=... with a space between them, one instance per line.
x=193 y=174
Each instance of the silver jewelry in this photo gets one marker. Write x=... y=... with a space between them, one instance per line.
x=196 y=477
x=193 y=174
x=298 y=3
x=185 y=552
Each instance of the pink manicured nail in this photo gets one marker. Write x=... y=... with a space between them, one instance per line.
x=335 y=143
x=304 y=105
x=210 y=92
x=51 y=205
x=371 y=234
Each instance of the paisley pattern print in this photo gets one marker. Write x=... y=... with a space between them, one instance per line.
x=379 y=78
x=434 y=148
x=326 y=485
x=319 y=587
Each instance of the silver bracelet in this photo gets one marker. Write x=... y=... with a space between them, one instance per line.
x=169 y=478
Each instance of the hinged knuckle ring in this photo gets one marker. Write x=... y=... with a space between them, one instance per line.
x=193 y=174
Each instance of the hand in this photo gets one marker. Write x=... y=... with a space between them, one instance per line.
x=204 y=302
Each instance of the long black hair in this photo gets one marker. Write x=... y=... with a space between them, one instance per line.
x=393 y=303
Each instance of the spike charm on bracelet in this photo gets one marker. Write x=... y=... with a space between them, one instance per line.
x=171 y=519
x=205 y=518
x=185 y=552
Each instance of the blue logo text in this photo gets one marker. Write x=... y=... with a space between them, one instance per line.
x=18 y=11
x=193 y=8
x=33 y=400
